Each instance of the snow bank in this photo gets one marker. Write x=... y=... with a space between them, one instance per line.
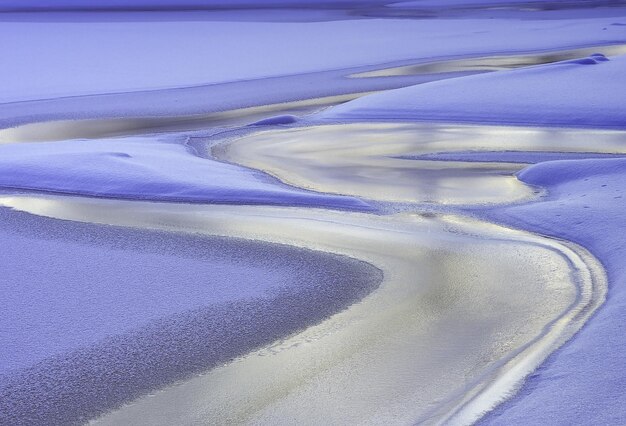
x=141 y=168
x=585 y=379
x=276 y=120
x=585 y=92
x=554 y=173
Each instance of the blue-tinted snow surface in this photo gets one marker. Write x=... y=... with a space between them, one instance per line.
x=588 y=92
x=585 y=381
x=114 y=56
x=148 y=169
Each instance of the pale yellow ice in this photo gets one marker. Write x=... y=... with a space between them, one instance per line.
x=361 y=159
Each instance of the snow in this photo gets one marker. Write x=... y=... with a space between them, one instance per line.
x=588 y=93
x=586 y=378
x=149 y=169
x=112 y=57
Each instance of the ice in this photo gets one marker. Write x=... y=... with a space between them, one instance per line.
x=383 y=356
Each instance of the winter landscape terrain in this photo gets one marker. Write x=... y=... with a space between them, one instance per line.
x=330 y=212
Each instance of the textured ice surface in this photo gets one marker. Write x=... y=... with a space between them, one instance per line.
x=382 y=357
x=92 y=316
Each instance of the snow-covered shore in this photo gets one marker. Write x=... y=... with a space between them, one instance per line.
x=146 y=169
x=587 y=92
x=584 y=381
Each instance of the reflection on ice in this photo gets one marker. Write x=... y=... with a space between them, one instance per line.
x=373 y=160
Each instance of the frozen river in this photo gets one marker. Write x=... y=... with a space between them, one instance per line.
x=359 y=212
